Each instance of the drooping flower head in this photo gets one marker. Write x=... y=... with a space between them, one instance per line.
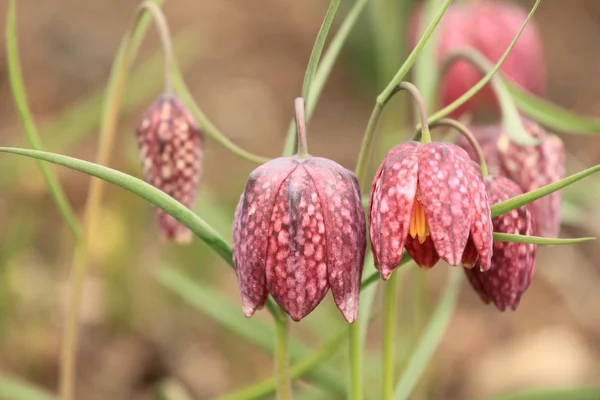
x=430 y=199
x=488 y=27
x=299 y=229
x=513 y=264
x=171 y=152
x=531 y=167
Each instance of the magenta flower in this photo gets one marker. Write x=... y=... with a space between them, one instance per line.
x=171 y=151
x=299 y=229
x=513 y=264
x=531 y=167
x=431 y=200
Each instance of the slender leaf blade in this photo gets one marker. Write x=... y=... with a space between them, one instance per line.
x=430 y=338
x=513 y=238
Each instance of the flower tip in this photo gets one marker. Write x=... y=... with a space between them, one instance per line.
x=386 y=272
x=248 y=308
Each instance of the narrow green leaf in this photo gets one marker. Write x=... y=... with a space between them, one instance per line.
x=20 y=98
x=591 y=393
x=140 y=188
x=427 y=65
x=518 y=201
x=552 y=115
x=315 y=56
x=444 y=112
x=18 y=389
x=430 y=338
x=367 y=296
x=213 y=304
x=507 y=237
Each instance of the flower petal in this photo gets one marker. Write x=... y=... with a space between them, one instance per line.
x=444 y=174
x=296 y=268
x=481 y=218
x=392 y=196
x=423 y=254
x=251 y=230
x=345 y=231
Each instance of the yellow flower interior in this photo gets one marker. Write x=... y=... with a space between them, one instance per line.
x=418 y=222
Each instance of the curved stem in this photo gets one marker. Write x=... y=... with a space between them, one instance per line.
x=388 y=351
x=459 y=126
x=282 y=358
x=165 y=37
x=301 y=127
x=355 y=351
x=422 y=107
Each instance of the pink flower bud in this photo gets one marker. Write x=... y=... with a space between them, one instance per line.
x=513 y=264
x=531 y=167
x=488 y=27
x=171 y=151
x=299 y=229
x=431 y=200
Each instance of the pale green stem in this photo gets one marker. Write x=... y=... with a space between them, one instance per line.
x=421 y=106
x=282 y=358
x=163 y=30
x=355 y=351
x=301 y=127
x=388 y=350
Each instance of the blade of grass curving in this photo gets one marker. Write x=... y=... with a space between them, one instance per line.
x=551 y=115
x=513 y=238
x=313 y=62
x=518 y=201
x=20 y=98
x=253 y=330
x=17 y=389
x=430 y=337
x=591 y=393
x=444 y=112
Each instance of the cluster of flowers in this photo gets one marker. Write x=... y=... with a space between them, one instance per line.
x=300 y=228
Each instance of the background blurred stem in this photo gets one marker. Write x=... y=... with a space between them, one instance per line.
x=355 y=387
x=110 y=115
x=20 y=98
x=388 y=343
x=282 y=358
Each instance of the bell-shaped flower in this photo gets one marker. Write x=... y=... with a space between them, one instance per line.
x=171 y=152
x=430 y=200
x=299 y=230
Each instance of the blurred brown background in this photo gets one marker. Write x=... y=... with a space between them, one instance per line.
x=245 y=63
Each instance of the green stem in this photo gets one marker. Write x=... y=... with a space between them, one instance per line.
x=421 y=107
x=469 y=136
x=282 y=358
x=388 y=351
x=515 y=238
x=301 y=127
x=367 y=144
x=163 y=29
x=355 y=386
x=19 y=95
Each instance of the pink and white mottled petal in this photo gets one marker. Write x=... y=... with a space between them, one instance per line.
x=445 y=195
x=344 y=229
x=391 y=205
x=171 y=152
x=251 y=229
x=481 y=234
x=296 y=269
